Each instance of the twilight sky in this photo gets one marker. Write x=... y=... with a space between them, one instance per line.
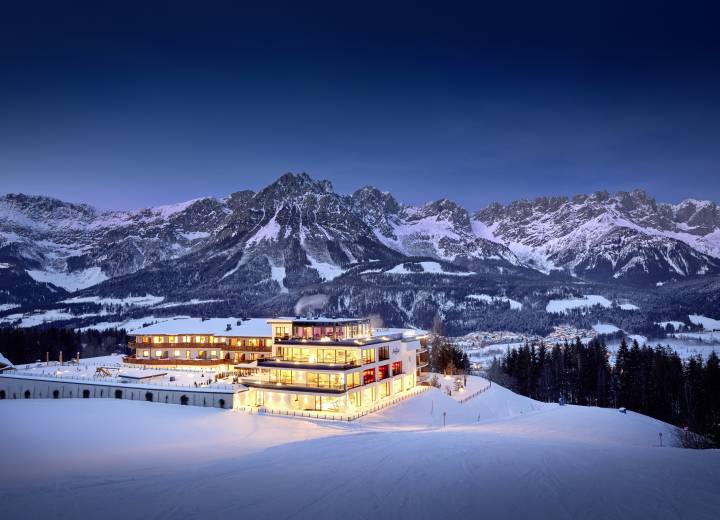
x=128 y=104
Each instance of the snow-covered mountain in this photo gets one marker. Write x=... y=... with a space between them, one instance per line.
x=74 y=246
x=298 y=234
x=628 y=236
x=440 y=229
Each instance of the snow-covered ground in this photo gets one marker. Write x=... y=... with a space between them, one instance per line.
x=425 y=267
x=72 y=281
x=707 y=323
x=134 y=301
x=514 y=304
x=500 y=455
x=589 y=300
x=605 y=328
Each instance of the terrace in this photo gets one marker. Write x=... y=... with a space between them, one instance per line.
x=111 y=370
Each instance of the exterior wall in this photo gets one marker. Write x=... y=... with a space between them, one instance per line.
x=16 y=388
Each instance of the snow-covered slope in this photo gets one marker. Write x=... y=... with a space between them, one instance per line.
x=520 y=459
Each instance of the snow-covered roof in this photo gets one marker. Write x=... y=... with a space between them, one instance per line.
x=5 y=361
x=254 y=327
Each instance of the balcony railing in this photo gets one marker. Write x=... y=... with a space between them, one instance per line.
x=318 y=365
x=132 y=360
x=198 y=346
x=270 y=385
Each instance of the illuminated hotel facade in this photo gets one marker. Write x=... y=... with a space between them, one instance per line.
x=335 y=365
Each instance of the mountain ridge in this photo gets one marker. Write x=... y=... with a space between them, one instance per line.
x=297 y=233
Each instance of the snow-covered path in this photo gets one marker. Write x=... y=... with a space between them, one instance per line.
x=119 y=459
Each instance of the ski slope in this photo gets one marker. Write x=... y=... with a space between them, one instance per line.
x=500 y=455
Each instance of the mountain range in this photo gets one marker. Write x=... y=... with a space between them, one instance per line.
x=297 y=238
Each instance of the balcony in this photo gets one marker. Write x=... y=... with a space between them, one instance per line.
x=237 y=348
x=327 y=341
x=281 y=363
x=132 y=360
x=301 y=387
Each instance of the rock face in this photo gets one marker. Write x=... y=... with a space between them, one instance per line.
x=627 y=237
x=298 y=236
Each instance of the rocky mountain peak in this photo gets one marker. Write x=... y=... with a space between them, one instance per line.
x=292 y=185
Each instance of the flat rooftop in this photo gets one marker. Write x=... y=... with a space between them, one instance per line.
x=320 y=320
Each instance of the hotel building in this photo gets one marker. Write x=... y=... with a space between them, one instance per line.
x=292 y=364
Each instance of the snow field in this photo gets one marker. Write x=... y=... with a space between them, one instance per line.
x=523 y=459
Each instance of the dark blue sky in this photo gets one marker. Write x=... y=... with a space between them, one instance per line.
x=130 y=105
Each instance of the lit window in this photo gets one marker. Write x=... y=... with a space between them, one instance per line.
x=158 y=353
x=146 y=353
x=177 y=353
x=213 y=353
x=157 y=339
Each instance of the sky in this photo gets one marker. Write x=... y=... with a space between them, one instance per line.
x=131 y=104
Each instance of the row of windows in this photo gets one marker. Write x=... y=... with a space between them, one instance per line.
x=202 y=354
x=328 y=356
x=311 y=379
x=212 y=340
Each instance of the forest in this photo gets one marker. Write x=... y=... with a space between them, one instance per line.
x=34 y=344
x=651 y=381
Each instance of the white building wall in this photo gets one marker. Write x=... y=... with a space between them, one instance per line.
x=16 y=388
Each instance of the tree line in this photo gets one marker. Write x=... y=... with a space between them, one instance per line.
x=27 y=345
x=652 y=381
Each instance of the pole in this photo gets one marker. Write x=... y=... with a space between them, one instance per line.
x=444 y=414
x=47 y=358
x=78 y=357
x=61 y=358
